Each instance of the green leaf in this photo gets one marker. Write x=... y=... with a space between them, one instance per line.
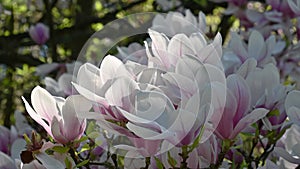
x=171 y=160
x=61 y=149
x=159 y=164
x=82 y=163
x=68 y=163
x=82 y=139
x=90 y=128
x=275 y=112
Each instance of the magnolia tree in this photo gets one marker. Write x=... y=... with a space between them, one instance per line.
x=181 y=99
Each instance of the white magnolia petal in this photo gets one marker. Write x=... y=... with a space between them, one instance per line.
x=237 y=46
x=292 y=99
x=44 y=103
x=284 y=154
x=256 y=45
x=65 y=84
x=120 y=91
x=249 y=119
x=90 y=95
x=36 y=117
x=294 y=114
x=89 y=77
x=178 y=46
x=112 y=67
x=239 y=88
x=248 y=66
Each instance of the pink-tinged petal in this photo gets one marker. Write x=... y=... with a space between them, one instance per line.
x=188 y=122
x=57 y=131
x=49 y=162
x=114 y=129
x=120 y=91
x=225 y=125
x=238 y=47
x=212 y=53
x=240 y=90
x=249 y=119
x=159 y=47
x=90 y=95
x=89 y=77
x=73 y=127
x=38 y=118
x=111 y=67
x=186 y=86
x=257 y=48
x=44 y=104
x=146 y=132
x=149 y=147
x=284 y=154
x=178 y=46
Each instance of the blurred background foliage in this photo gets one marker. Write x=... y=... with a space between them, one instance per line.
x=71 y=23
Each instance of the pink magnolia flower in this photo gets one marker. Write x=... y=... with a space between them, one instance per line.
x=58 y=115
x=39 y=33
x=165 y=53
x=237 y=114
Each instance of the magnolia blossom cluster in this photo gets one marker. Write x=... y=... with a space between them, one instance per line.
x=177 y=101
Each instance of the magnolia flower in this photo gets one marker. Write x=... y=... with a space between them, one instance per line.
x=39 y=33
x=237 y=114
x=58 y=115
x=165 y=53
x=266 y=91
x=175 y=23
x=259 y=49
